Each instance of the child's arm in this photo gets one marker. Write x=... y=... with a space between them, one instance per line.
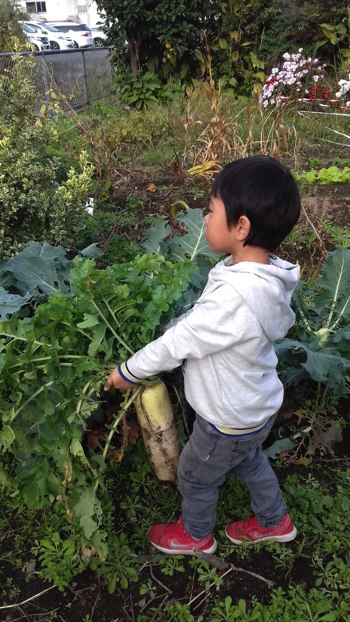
x=208 y=329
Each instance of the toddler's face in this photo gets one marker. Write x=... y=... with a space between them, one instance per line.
x=220 y=238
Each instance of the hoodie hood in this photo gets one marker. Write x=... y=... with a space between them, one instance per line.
x=266 y=288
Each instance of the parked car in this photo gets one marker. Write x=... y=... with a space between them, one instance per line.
x=57 y=40
x=39 y=41
x=98 y=36
x=80 y=33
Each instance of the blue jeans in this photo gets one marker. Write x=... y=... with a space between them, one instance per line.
x=203 y=464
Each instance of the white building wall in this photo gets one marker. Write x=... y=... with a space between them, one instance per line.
x=83 y=11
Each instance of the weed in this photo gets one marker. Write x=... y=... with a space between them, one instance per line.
x=208 y=575
x=119 y=567
x=131 y=505
x=148 y=588
x=292 y=236
x=169 y=565
x=338 y=235
x=59 y=559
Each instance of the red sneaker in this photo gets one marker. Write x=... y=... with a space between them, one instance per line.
x=173 y=539
x=249 y=530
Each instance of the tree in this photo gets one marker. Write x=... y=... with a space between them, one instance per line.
x=10 y=29
x=162 y=34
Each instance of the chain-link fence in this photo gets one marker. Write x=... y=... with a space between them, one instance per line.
x=81 y=75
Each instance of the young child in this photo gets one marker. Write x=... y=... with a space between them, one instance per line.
x=230 y=364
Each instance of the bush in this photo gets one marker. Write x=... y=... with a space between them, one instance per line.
x=32 y=204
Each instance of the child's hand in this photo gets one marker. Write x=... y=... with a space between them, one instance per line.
x=117 y=381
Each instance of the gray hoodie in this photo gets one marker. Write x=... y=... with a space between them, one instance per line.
x=226 y=340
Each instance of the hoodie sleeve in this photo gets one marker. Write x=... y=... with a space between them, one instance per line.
x=210 y=328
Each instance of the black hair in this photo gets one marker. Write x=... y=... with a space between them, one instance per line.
x=263 y=190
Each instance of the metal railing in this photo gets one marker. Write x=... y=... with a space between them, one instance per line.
x=82 y=75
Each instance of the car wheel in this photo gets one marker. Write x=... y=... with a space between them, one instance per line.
x=35 y=47
x=98 y=42
x=54 y=45
x=75 y=44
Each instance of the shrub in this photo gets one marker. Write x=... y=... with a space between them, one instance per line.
x=32 y=204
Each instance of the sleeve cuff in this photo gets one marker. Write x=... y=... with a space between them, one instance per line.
x=127 y=375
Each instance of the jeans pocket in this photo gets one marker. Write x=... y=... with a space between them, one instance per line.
x=206 y=437
x=241 y=448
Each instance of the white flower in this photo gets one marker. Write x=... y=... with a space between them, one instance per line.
x=265 y=103
x=348 y=104
x=274 y=71
x=316 y=78
x=272 y=101
x=338 y=94
x=300 y=50
x=286 y=56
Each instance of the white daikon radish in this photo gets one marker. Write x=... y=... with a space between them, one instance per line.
x=158 y=428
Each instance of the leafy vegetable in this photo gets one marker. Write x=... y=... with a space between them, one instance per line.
x=321 y=348
x=54 y=364
x=325 y=175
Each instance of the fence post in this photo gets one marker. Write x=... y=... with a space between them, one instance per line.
x=112 y=70
x=84 y=77
x=46 y=81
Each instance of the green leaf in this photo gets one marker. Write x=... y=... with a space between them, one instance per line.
x=85 y=509
x=7 y=436
x=223 y=44
x=192 y=243
x=89 y=321
x=184 y=70
x=155 y=236
x=36 y=272
x=283 y=444
x=96 y=343
x=92 y=251
x=335 y=281
x=10 y=303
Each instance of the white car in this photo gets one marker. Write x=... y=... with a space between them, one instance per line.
x=98 y=36
x=80 y=33
x=40 y=42
x=58 y=40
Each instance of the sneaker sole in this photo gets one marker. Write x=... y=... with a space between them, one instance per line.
x=285 y=538
x=179 y=551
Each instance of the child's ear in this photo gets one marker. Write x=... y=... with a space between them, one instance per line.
x=243 y=228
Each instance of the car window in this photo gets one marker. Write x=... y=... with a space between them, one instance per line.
x=64 y=28
x=36 y=29
x=28 y=28
x=51 y=28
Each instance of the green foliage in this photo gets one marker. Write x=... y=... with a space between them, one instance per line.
x=120 y=568
x=339 y=35
x=33 y=274
x=238 y=39
x=338 y=235
x=321 y=345
x=294 y=605
x=168 y=30
x=31 y=204
x=11 y=33
x=192 y=246
x=142 y=89
x=324 y=176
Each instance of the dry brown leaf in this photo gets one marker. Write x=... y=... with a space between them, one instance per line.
x=151 y=188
